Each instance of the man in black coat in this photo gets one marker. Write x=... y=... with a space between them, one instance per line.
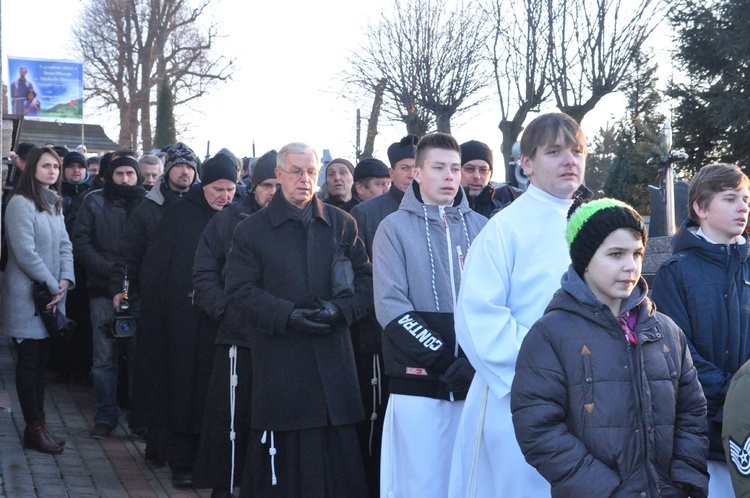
x=218 y=458
x=136 y=257
x=300 y=276
x=98 y=226
x=179 y=348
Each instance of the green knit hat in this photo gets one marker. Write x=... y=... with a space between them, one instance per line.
x=590 y=223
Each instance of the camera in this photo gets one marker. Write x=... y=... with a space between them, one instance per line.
x=122 y=325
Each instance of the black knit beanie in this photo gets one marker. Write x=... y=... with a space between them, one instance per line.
x=122 y=161
x=590 y=223
x=219 y=167
x=473 y=150
x=265 y=168
x=74 y=157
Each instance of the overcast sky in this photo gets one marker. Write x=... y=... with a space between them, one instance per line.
x=286 y=85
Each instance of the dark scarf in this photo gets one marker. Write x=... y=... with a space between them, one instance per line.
x=304 y=214
x=130 y=195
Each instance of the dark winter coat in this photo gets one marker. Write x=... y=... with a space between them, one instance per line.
x=300 y=380
x=139 y=235
x=214 y=461
x=492 y=199
x=180 y=347
x=348 y=205
x=72 y=195
x=370 y=213
x=598 y=416
x=208 y=272
x=705 y=289
x=96 y=235
x=335 y=201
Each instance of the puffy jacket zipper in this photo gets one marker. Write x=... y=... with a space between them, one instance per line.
x=636 y=367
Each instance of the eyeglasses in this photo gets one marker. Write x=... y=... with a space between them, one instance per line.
x=483 y=170
x=296 y=173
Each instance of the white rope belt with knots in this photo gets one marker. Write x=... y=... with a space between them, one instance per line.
x=232 y=403
x=376 y=381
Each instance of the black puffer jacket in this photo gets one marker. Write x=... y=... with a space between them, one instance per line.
x=96 y=234
x=597 y=416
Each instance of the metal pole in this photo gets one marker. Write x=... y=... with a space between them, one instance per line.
x=669 y=194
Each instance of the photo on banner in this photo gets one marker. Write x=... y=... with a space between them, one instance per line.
x=45 y=88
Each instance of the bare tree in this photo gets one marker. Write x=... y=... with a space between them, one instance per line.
x=372 y=121
x=520 y=62
x=430 y=56
x=131 y=46
x=593 y=46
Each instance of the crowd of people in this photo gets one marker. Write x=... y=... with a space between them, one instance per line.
x=411 y=330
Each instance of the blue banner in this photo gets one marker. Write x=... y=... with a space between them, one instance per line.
x=45 y=88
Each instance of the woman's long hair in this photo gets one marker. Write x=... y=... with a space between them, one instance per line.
x=29 y=187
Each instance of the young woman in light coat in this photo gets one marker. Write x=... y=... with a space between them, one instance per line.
x=39 y=250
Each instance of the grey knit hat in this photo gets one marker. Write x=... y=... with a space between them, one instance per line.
x=180 y=153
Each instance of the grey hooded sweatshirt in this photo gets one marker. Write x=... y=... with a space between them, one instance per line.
x=418 y=256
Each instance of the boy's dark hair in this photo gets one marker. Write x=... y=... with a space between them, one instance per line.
x=711 y=180
x=435 y=141
x=544 y=129
x=93 y=160
x=29 y=187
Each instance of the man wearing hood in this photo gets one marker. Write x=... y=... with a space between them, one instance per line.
x=213 y=467
x=414 y=301
x=180 y=348
x=476 y=171
x=98 y=226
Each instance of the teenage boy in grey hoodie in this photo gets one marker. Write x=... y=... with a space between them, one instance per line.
x=418 y=256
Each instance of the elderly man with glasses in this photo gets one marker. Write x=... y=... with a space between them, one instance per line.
x=300 y=276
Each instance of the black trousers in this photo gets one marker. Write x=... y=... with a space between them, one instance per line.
x=31 y=363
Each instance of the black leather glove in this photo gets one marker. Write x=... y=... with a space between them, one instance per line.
x=328 y=313
x=459 y=375
x=299 y=321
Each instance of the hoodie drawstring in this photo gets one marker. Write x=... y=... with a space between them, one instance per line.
x=272 y=452
x=432 y=262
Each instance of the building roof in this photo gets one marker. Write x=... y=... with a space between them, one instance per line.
x=67 y=134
